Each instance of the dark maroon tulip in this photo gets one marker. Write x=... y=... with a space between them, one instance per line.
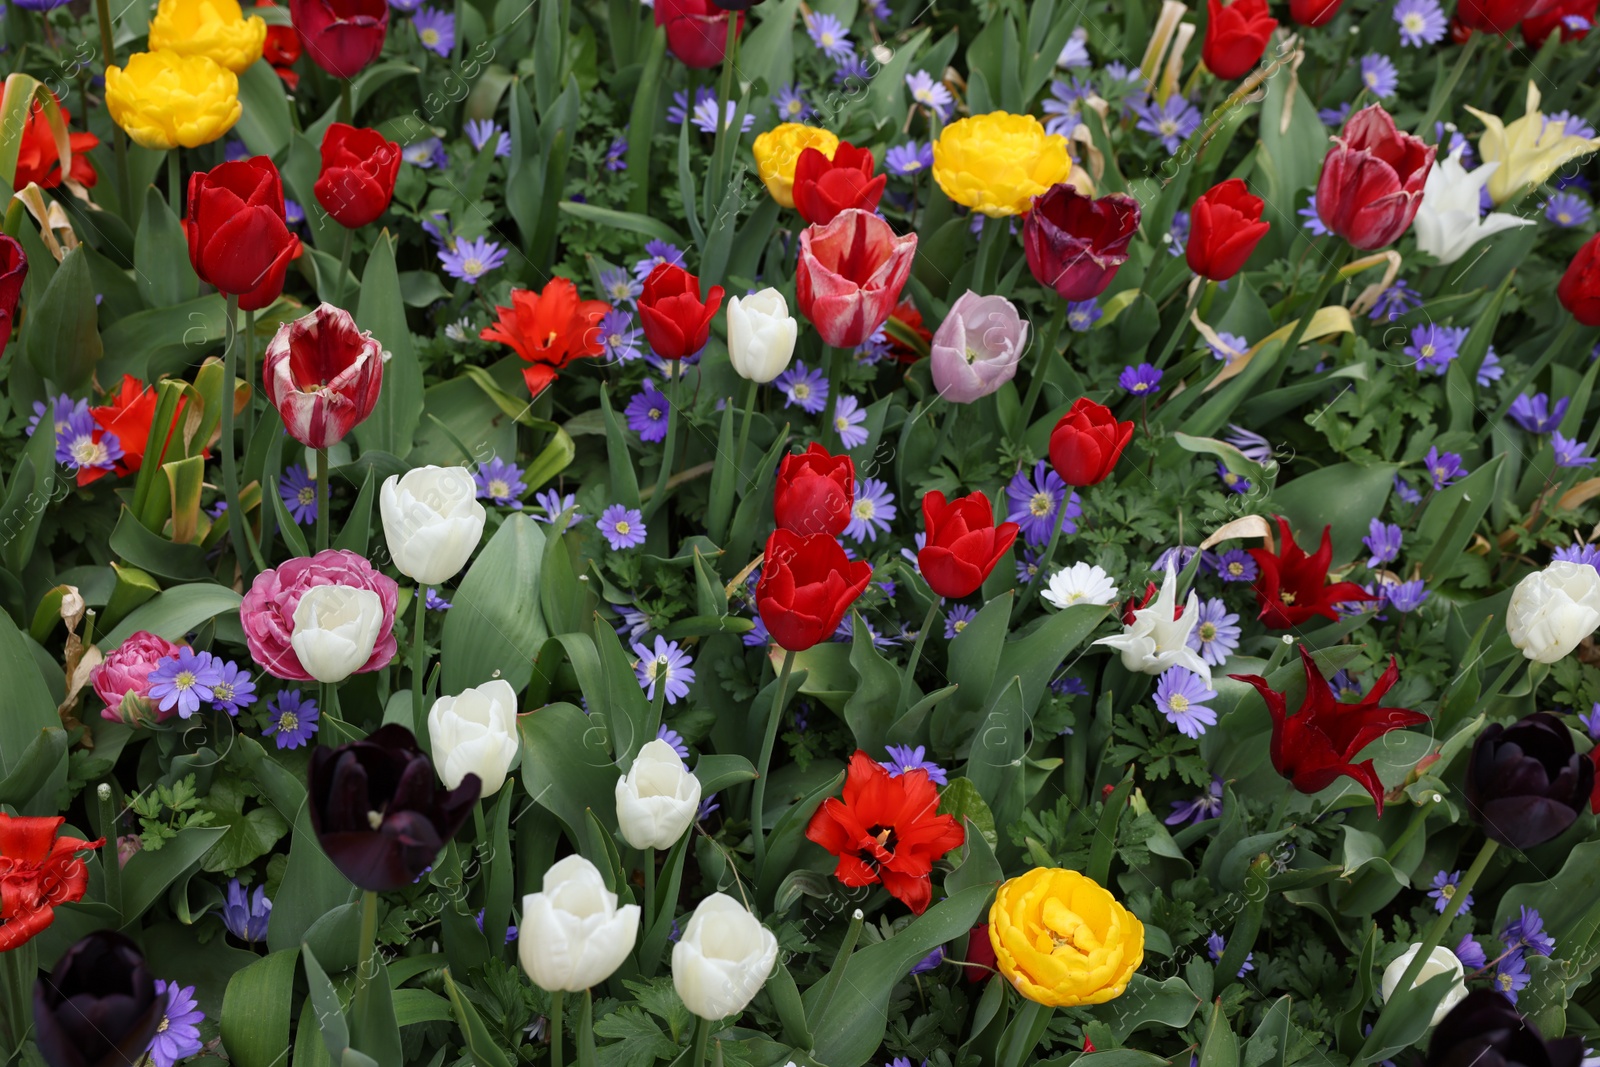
x=1484 y=1030
x=1075 y=244
x=341 y=36
x=99 y=1007
x=1527 y=783
x=13 y=271
x=378 y=811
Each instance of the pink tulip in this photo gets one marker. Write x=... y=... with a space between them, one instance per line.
x=125 y=674
x=323 y=375
x=977 y=347
x=850 y=275
x=268 y=611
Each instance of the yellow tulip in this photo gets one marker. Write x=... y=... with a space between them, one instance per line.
x=1528 y=150
x=166 y=100
x=779 y=148
x=216 y=29
x=997 y=163
x=1062 y=940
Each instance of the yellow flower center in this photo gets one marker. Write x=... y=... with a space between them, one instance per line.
x=800 y=391
x=1286 y=596
x=865 y=509
x=222 y=691
x=288 y=722
x=306 y=496
x=498 y=488
x=1178 y=702
x=430 y=36
x=1041 y=505
x=622 y=527
x=1208 y=631
x=475 y=267
x=185 y=680
x=959 y=626
x=1236 y=569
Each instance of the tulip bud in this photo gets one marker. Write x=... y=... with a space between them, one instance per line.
x=432 y=521
x=1087 y=442
x=1314 y=12
x=826 y=183
x=572 y=934
x=723 y=958
x=977 y=347
x=1225 y=227
x=1236 y=37
x=657 y=798
x=1579 y=288
x=963 y=543
x=475 y=732
x=234 y=222
x=323 y=374
x=98 y=1006
x=342 y=36
x=122 y=679
x=13 y=272
x=761 y=335
x=336 y=627
x=697 y=30
x=1526 y=783
x=814 y=492
x=359 y=167
x=1440 y=961
x=807 y=584
x=1554 y=609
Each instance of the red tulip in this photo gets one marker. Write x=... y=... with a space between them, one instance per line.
x=1320 y=742
x=1492 y=16
x=1579 y=288
x=549 y=330
x=697 y=30
x=281 y=49
x=13 y=272
x=1292 y=587
x=1076 y=244
x=814 y=493
x=39 y=162
x=850 y=275
x=359 y=167
x=341 y=36
x=1539 y=24
x=238 y=239
x=1314 y=12
x=1224 y=228
x=1372 y=180
x=130 y=415
x=676 y=321
x=824 y=187
x=963 y=543
x=323 y=374
x=38 y=871
x=1087 y=442
x=1236 y=36
x=980 y=955
x=806 y=586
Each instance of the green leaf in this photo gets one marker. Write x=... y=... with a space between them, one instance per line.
x=62 y=339
x=961 y=799
x=645 y=225
x=994 y=764
x=147 y=874
x=265 y=125
x=1452 y=517
x=1344 y=496
x=329 y=1012
x=175 y=612
x=481 y=1046
x=30 y=710
x=567 y=766
x=1220 y=1047
x=255 y=1010
x=496 y=627
x=161 y=255
x=718 y=772
x=382 y=310
x=356 y=534
x=39 y=763
x=250 y=835
x=1269 y=1045
x=1147 y=1002
x=872 y=707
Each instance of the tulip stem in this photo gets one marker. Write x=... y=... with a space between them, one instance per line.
x=1442 y=95
x=669 y=454
x=174 y=181
x=988 y=260
x=556 y=997
x=322 y=499
x=230 y=467
x=344 y=267
x=250 y=378
x=1502 y=680
x=1197 y=291
x=744 y=429
x=119 y=140
x=1325 y=284
x=419 y=662
x=346 y=107
x=715 y=188
x=759 y=797
x=1047 y=344
x=1049 y=552
x=830 y=983
x=367 y=969
x=110 y=855
x=702 y=1037
x=929 y=621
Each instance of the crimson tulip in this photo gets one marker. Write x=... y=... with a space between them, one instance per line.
x=1372 y=180
x=39 y=160
x=697 y=30
x=1526 y=783
x=323 y=375
x=1492 y=16
x=1292 y=587
x=807 y=584
x=1087 y=442
x=238 y=239
x=1314 y=12
x=549 y=329
x=130 y=413
x=1320 y=742
x=1579 y=288
x=1236 y=37
x=1224 y=228
x=359 y=167
x=814 y=493
x=38 y=871
x=824 y=187
x=282 y=50
x=1075 y=244
x=963 y=543
x=341 y=36
x=99 y=1006
x=850 y=275
x=13 y=272
x=676 y=320
x=1545 y=19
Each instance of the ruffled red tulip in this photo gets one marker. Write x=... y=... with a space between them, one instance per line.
x=850 y=275
x=1372 y=180
x=886 y=831
x=1526 y=783
x=1579 y=288
x=341 y=36
x=549 y=329
x=1320 y=742
x=1314 y=12
x=13 y=272
x=1292 y=587
x=675 y=319
x=39 y=162
x=1075 y=244
x=815 y=492
x=359 y=167
x=323 y=374
x=963 y=543
x=38 y=871
x=238 y=239
x=1224 y=228
x=1086 y=444
x=1236 y=36
x=824 y=187
x=807 y=584
x=129 y=415
x=697 y=30
x=1540 y=24
x=1492 y=16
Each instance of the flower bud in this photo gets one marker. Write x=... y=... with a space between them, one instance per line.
x=1526 y=783
x=572 y=934
x=1440 y=961
x=657 y=798
x=475 y=732
x=432 y=521
x=723 y=958
x=761 y=335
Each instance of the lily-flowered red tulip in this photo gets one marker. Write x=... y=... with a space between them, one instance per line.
x=1075 y=244
x=341 y=36
x=1292 y=587
x=1372 y=180
x=323 y=374
x=850 y=275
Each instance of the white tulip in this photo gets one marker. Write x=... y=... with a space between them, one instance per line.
x=723 y=958
x=1155 y=640
x=475 y=733
x=1440 y=961
x=572 y=934
x=432 y=521
x=657 y=798
x=335 y=630
x=761 y=335
x=1553 y=609
x=1448 y=221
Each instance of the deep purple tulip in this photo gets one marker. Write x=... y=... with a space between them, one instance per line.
x=1484 y=1030
x=1526 y=782
x=99 y=1007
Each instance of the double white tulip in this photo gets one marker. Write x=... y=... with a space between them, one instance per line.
x=573 y=935
x=475 y=733
x=657 y=798
x=1440 y=961
x=1447 y=222
x=761 y=335
x=1552 y=610
x=432 y=521
x=723 y=958
x=336 y=628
